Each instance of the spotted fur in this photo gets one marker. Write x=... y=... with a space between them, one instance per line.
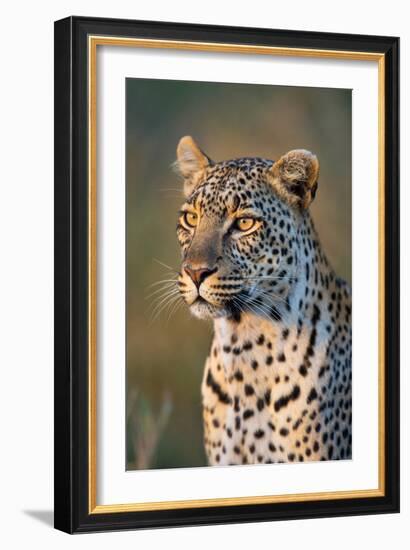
x=277 y=382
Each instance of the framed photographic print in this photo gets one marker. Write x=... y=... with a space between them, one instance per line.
x=226 y=274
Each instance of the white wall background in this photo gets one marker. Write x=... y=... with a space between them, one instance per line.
x=26 y=291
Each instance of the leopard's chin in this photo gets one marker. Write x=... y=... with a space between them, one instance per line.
x=202 y=309
x=205 y=310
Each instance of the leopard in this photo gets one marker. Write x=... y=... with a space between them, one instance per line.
x=277 y=383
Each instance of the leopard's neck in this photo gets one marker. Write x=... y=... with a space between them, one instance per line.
x=302 y=316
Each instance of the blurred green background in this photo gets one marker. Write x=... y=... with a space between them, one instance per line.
x=165 y=358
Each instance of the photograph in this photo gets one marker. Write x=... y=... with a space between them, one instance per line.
x=226 y=231
x=238 y=274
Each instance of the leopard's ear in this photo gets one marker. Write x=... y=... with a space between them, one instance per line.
x=294 y=177
x=191 y=163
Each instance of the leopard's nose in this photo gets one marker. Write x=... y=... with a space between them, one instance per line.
x=199 y=274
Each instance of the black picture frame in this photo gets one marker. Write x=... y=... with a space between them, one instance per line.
x=72 y=277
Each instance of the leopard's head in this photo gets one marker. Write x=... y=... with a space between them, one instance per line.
x=237 y=230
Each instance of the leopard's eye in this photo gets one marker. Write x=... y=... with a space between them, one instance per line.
x=245 y=224
x=190 y=219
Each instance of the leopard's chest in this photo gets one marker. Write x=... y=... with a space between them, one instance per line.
x=258 y=407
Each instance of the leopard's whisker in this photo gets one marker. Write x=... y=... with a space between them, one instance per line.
x=286 y=318
x=268 y=278
x=237 y=305
x=273 y=302
x=160 y=300
x=263 y=310
x=166 y=286
x=162 y=281
x=272 y=298
x=160 y=307
x=169 y=301
x=269 y=294
x=253 y=307
x=175 y=308
x=165 y=265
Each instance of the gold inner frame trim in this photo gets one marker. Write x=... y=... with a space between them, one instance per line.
x=93 y=42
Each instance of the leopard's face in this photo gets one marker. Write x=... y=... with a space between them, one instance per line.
x=237 y=230
x=238 y=242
